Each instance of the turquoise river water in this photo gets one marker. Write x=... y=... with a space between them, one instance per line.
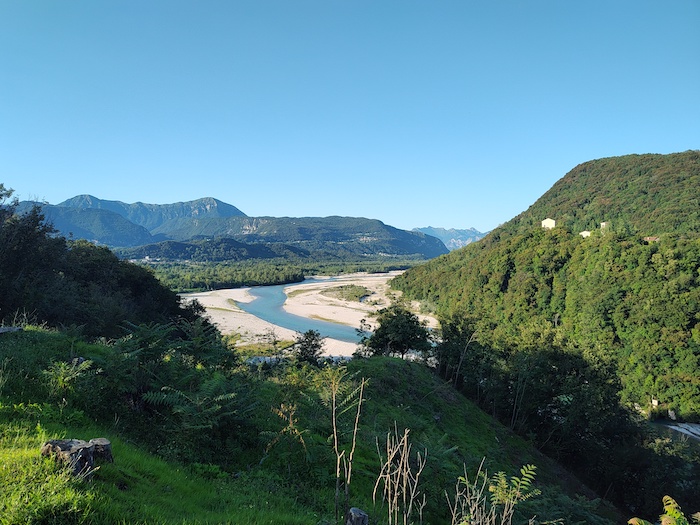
x=267 y=305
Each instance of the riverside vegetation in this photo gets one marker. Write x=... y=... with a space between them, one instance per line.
x=272 y=442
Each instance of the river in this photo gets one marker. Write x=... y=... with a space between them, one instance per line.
x=267 y=306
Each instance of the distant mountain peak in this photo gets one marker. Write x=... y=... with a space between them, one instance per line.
x=151 y=216
x=453 y=238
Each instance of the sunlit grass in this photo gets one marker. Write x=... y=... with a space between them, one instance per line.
x=136 y=488
x=252 y=484
x=34 y=489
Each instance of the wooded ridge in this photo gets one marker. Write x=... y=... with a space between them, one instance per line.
x=629 y=292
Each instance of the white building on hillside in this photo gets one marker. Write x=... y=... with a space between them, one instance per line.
x=548 y=223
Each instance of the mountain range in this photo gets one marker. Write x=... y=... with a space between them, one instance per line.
x=453 y=238
x=176 y=230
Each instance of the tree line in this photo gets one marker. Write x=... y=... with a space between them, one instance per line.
x=46 y=278
x=613 y=297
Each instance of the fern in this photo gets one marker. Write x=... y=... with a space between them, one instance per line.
x=516 y=490
x=471 y=506
x=62 y=376
x=673 y=515
x=200 y=409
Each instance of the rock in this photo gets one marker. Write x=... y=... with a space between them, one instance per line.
x=356 y=516
x=103 y=449
x=77 y=454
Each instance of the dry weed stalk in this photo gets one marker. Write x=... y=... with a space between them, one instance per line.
x=400 y=491
x=476 y=501
x=339 y=406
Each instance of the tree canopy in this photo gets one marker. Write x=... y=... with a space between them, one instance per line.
x=51 y=280
x=399 y=332
x=628 y=294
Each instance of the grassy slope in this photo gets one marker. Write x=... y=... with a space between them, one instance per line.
x=141 y=488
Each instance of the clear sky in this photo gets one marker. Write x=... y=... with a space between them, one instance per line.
x=451 y=113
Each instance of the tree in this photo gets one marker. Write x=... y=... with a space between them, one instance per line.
x=28 y=251
x=399 y=332
x=308 y=347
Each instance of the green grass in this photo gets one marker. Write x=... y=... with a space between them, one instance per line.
x=137 y=488
x=267 y=475
x=301 y=291
x=32 y=488
x=348 y=292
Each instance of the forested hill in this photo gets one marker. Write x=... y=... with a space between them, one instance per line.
x=648 y=194
x=354 y=235
x=627 y=295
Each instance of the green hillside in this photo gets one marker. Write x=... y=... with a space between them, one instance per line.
x=210 y=228
x=263 y=455
x=212 y=250
x=94 y=225
x=199 y=435
x=649 y=195
x=625 y=300
x=339 y=236
x=614 y=293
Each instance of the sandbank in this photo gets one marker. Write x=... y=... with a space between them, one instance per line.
x=311 y=300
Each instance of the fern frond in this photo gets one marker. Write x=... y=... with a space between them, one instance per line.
x=528 y=475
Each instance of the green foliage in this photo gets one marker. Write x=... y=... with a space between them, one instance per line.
x=612 y=296
x=204 y=408
x=649 y=194
x=471 y=505
x=73 y=283
x=399 y=332
x=672 y=515
x=308 y=347
x=103 y=226
x=515 y=489
x=187 y=276
x=62 y=376
x=545 y=328
x=28 y=259
x=347 y=292
x=204 y=418
x=338 y=236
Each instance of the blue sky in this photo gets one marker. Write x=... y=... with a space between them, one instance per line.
x=418 y=113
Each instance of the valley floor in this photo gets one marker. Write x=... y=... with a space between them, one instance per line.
x=309 y=300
